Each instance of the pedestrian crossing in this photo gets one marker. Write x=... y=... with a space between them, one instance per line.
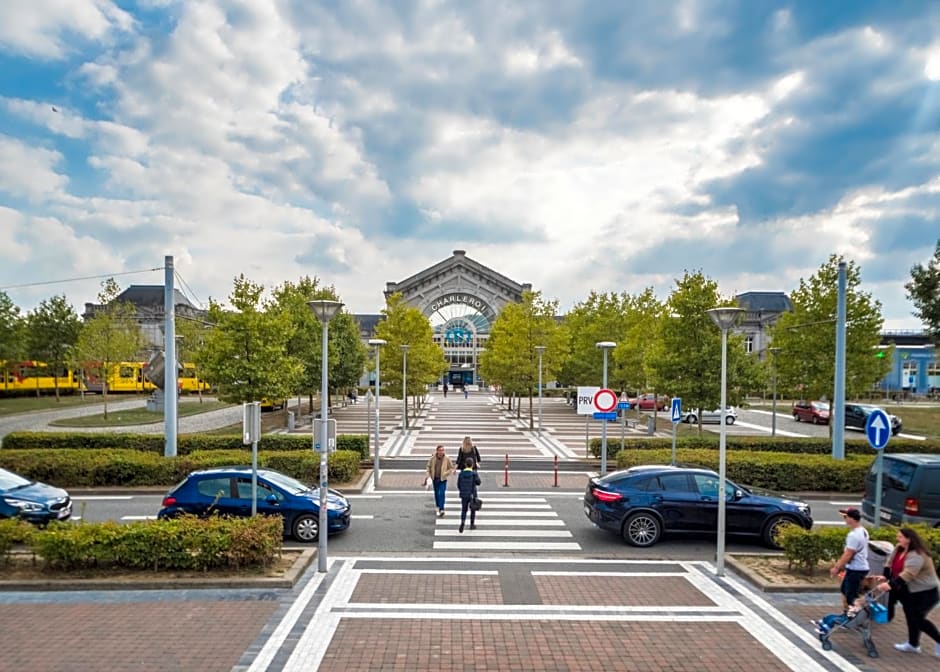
x=504 y=524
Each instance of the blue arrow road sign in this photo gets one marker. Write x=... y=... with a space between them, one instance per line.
x=878 y=429
x=676 y=415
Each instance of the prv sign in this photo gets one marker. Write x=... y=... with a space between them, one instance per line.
x=593 y=400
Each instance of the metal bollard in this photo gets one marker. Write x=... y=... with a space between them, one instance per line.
x=650 y=426
x=556 y=472
x=506 y=472
x=290 y=421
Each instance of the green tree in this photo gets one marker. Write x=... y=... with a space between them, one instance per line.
x=807 y=336
x=112 y=335
x=12 y=336
x=924 y=292
x=686 y=355
x=245 y=355
x=601 y=317
x=405 y=325
x=53 y=328
x=190 y=340
x=511 y=359
x=643 y=315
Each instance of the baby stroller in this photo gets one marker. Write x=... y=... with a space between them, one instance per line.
x=862 y=613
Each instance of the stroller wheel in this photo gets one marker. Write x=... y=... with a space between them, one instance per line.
x=827 y=645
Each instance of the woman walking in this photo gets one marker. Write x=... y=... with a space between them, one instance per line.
x=467 y=483
x=911 y=577
x=467 y=451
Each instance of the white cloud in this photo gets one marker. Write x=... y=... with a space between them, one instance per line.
x=28 y=172
x=41 y=28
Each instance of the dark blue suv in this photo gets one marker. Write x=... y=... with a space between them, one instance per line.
x=641 y=503
x=35 y=502
x=227 y=491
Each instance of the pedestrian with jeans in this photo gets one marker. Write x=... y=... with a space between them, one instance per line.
x=911 y=577
x=439 y=469
x=467 y=483
x=854 y=559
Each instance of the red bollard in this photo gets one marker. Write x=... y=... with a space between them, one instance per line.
x=556 y=472
x=506 y=472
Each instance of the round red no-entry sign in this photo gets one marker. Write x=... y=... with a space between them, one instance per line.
x=605 y=400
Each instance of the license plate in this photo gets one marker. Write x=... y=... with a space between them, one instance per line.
x=886 y=515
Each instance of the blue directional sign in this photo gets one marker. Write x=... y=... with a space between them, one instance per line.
x=878 y=429
x=605 y=416
x=676 y=414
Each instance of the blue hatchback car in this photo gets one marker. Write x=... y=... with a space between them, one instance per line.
x=227 y=491
x=642 y=503
x=32 y=501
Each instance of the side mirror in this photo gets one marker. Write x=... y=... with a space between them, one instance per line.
x=271 y=499
x=738 y=494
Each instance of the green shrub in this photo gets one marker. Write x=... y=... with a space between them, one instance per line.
x=14 y=531
x=805 y=549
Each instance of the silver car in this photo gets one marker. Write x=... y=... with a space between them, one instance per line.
x=711 y=417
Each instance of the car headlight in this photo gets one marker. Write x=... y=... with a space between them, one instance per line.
x=337 y=505
x=25 y=506
x=804 y=509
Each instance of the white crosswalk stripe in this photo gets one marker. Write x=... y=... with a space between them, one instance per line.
x=502 y=524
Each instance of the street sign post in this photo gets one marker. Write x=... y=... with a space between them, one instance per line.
x=676 y=416
x=878 y=431
x=622 y=405
x=251 y=432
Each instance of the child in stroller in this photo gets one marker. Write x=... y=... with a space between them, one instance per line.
x=867 y=609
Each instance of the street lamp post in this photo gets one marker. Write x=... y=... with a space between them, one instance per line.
x=724 y=319
x=604 y=347
x=773 y=404
x=324 y=310
x=540 y=349
x=377 y=343
x=404 y=386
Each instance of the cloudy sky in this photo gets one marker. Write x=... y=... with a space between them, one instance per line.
x=571 y=145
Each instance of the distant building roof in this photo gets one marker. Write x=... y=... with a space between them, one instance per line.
x=367 y=323
x=151 y=295
x=767 y=302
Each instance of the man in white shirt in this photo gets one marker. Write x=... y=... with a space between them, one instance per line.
x=854 y=559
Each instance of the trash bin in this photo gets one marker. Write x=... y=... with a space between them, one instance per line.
x=290 y=421
x=650 y=426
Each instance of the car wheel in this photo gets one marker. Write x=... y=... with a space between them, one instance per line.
x=796 y=416
x=642 y=529
x=729 y=419
x=306 y=528
x=772 y=528
x=815 y=420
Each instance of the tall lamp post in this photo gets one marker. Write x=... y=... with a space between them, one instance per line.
x=604 y=347
x=724 y=319
x=773 y=404
x=377 y=343
x=324 y=310
x=540 y=349
x=404 y=386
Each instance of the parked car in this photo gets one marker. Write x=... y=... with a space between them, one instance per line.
x=816 y=412
x=32 y=501
x=856 y=415
x=227 y=491
x=642 y=503
x=649 y=402
x=711 y=417
x=910 y=489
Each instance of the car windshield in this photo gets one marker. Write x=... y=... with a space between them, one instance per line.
x=287 y=482
x=11 y=481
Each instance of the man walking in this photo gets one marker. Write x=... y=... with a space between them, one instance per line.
x=854 y=559
x=439 y=469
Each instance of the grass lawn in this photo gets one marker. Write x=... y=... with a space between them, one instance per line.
x=137 y=416
x=11 y=405
x=922 y=420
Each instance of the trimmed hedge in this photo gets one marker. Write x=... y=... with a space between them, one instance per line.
x=780 y=444
x=774 y=471
x=186 y=444
x=76 y=468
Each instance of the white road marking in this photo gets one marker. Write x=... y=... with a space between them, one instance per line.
x=364 y=516
x=138 y=517
x=503 y=522
x=102 y=498
x=522 y=534
x=506 y=546
x=748 y=425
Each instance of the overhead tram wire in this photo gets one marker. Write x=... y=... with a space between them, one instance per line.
x=79 y=279
x=188 y=289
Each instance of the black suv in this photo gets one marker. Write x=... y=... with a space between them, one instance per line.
x=641 y=503
x=856 y=415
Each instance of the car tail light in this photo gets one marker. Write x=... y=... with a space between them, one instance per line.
x=169 y=501
x=604 y=496
x=911 y=506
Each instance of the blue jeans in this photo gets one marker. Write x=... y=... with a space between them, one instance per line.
x=440 y=489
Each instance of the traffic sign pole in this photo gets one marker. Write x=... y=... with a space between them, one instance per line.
x=879 y=470
x=878 y=431
x=675 y=415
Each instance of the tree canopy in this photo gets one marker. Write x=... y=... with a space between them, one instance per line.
x=923 y=291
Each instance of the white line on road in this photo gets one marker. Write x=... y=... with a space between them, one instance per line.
x=506 y=546
x=523 y=522
x=748 y=425
x=537 y=534
x=138 y=517
x=102 y=498
x=363 y=516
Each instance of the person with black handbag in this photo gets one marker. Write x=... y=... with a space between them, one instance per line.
x=467 y=451
x=467 y=483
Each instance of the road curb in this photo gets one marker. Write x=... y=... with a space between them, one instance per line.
x=765 y=586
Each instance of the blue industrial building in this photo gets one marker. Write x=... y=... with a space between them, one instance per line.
x=915 y=367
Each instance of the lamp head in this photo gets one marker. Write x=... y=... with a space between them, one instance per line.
x=725 y=317
x=325 y=309
x=404 y=347
x=377 y=341
x=605 y=345
x=540 y=349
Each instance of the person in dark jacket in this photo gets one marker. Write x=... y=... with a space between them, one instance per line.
x=467 y=483
x=467 y=451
